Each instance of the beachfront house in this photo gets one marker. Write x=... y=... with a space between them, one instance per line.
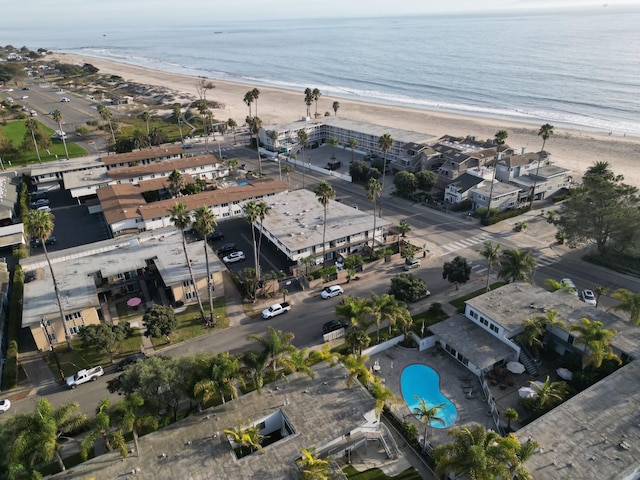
x=513 y=166
x=458 y=190
x=414 y=157
x=548 y=181
x=503 y=196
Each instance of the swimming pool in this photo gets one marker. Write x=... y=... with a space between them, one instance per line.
x=424 y=382
x=243 y=183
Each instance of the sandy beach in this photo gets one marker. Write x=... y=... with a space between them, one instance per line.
x=572 y=149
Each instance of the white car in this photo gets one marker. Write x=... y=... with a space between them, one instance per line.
x=65 y=99
x=24 y=97
x=567 y=282
x=588 y=297
x=4 y=405
x=332 y=291
x=234 y=257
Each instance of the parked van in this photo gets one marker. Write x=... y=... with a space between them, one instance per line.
x=333 y=165
x=411 y=264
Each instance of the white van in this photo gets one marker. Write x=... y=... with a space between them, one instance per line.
x=411 y=264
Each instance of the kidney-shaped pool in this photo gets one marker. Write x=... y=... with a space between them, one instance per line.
x=423 y=382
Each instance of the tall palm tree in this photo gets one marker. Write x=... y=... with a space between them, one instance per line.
x=336 y=106
x=262 y=210
x=255 y=124
x=39 y=224
x=287 y=169
x=177 y=112
x=490 y=253
x=34 y=127
x=516 y=266
x=629 y=303
x=303 y=137
x=308 y=100
x=374 y=191
x=140 y=140
x=316 y=96
x=482 y=454
x=204 y=223
x=181 y=218
x=549 y=393
x=545 y=132
x=255 y=93
x=427 y=416
x=221 y=379
x=106 y=430
x=358 y=340
x=385 y=142
x=57 y=117
x=107 y=116
x=385 y=308
x=251 y=214
x=203 y=110
x=313 y=467
x=276 y=346
x=145 y=116
x=248 y=100
x=500 y=138
x=596 y=340
x=324 y=192
x=176 y=182
x=128 y=414
x=254 y=365
x=353 y=143
x=231 y=123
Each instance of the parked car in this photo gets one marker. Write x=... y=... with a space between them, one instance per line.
x=36 y=242
x=40 y=203
x=5 y=405
x=589 y=298
x=332 y=291
x=411 y=264
x=234 y=257
x=333 y=325
x=84 y=376
x=25 y=88
x=24 y=97
x=131 y=359
x=44 y=208
x=227 y=248
x=567 y=282
x=215 y=235
x=65 y=99
x=276 y=309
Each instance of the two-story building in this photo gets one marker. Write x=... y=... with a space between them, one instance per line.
x=503 y=196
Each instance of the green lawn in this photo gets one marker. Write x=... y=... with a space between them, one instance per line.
x=15 y=132
x=377 y=474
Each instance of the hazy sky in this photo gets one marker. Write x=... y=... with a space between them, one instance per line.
x=212 y=11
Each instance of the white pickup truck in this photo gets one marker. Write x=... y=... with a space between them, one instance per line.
x=85 y=375
x=276 y=309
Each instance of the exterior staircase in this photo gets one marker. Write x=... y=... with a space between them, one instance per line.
x=529 y=364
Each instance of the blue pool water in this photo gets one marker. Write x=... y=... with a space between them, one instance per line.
x=243 y=183
x=423 y=382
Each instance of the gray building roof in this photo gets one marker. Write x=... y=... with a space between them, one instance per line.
x=76 y=268
x=499 y=189
x=466 y=181
x=475 y=343
x=594 y=435
x=320 y=411
x=296 y=220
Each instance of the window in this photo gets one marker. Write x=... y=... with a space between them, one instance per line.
x=72 y=316
x=186 y=283
x=52 y=337
x=73 y=330
x=189 y=295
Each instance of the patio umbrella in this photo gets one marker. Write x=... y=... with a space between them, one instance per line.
x=526 y=392
x=515 y=367
x=134 y=302
x=564 y=373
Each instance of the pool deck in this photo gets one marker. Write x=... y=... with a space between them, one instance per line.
x=455 y=382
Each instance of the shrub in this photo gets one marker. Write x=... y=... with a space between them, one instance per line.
x=498 y=217
x=407 y=287
x=353 y=262
x=327 y=272
x=464 y=206
x=10 y=371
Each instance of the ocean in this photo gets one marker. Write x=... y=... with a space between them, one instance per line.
x=571 y=68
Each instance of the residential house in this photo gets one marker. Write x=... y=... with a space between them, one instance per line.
x=142 y=157
x=458 y=190
x=503 y=196
x=414 y=157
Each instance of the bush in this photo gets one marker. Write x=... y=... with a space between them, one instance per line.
x=407 y=287
x=498 y=217
x=464 y=206
x=327 y=272
x=353 y=262
x=10 y=371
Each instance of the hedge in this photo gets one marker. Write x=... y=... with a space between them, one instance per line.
x=503 y=215
x=10 y=371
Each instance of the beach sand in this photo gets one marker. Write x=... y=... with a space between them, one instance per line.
x=572 y=149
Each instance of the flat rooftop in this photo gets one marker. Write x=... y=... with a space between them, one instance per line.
x=320 y=410
x=296 y=220
x=60 y=166
x=143 y=154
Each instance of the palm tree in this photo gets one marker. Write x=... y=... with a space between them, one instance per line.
x=353 y=143
x=308 y=100
x=34 y=128
x=145 y=116
x=204 y=223
x=511 y=415
x=545 y=132
x=181 y=218
x=276 y=347
x=599 y=291
x=313 y=467
x=221 y=379
x=482 y=454
x=303 y=137
x=490 y=253
x=39 y=224
x=255 y=93
x=254 y=365
x=231 y=123
x=262 y=210
x=248 y=99
x=385 y=142
x=500 y=138
x=251 y=214
x=357 y=339
x=597 y=342
x=324 y=192
x=57 y=117
x=246 y=437
x=358 y=369
x=336 y=106
x=316 y=96
x=516 y=266
x=140 y=140
x=629 y=303
x=354 y=310
x=549 y=393
x=177 y=112
x=37 y=437
x=255 y=124
x=427 y=416
x=107 y=116
x=105 y=430
x=374 y=191
x=129 y=416
x=176 y=182
x=287 y=169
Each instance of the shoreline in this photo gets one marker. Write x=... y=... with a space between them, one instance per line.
x=573 y=149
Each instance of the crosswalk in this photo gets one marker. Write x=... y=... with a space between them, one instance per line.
x=466 y=243
x=541 y=261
